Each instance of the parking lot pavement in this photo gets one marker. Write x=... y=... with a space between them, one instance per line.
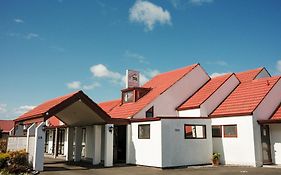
x=63 y=169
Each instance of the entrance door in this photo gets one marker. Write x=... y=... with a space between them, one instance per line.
x=265 y=141
x=119 y=144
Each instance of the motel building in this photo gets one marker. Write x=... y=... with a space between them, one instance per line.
x=178 y=118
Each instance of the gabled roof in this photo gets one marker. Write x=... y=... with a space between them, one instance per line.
x=248 y=75
x=107 y=106
x=44 y=107
x=6 y=125
x=246 y=97
x=53 y=106
x=205 y=92
x=159 y=84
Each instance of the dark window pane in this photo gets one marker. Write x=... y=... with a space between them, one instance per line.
x=150 y=112
x=216 y=131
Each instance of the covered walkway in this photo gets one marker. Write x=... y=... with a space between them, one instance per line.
x=76 y=111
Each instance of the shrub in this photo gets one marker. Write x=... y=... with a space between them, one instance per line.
x=14 y=162
x=4 y=157
x=3 y=145
x=18 y=158
x=216 y=156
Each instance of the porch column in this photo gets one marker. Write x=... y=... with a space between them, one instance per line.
x=97 y=144
x=128 y=144
x=38 y=161
x=29 y=146
x=69 y=152
x=78 y=144
x=89 y=146
x=56 y=143
x=108 y=145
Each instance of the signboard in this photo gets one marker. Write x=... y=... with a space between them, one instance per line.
x=132 y=78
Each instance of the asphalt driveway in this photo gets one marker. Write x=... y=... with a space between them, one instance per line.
x=64 y=169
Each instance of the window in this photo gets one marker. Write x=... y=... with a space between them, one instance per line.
x=144 y=131
x=128 y=97
x=194 y=131
x=150 y=112
x=217 y=131
x=230 y=130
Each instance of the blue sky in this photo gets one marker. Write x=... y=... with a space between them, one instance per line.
x=51 y=48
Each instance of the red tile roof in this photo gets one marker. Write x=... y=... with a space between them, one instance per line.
x=109 y=105
x=54 y=121
x=246 y=97
x=205 y=92
x=277 y=114
x=248 y=75
x=159 y=84
x=6 y=125
x=44 y=107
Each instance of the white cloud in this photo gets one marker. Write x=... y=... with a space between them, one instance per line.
x=17 y=20
x=149 y=14
x=147 y=75
x=3 y=108
x=141 y=59
x=143 y=79
x=278 y=66
x=91 y=86
x=152 y=73
x=31 y=35
x=216 y=74
x=101 y=71
x=200 y=2
x=74 y=85
x=23 y=109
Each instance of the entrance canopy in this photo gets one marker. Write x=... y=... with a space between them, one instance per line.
x=75 y=109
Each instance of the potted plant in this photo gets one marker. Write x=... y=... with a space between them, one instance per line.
x=216 y=159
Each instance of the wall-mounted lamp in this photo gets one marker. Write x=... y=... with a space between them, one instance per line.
x=110 y=129
x=44 y=127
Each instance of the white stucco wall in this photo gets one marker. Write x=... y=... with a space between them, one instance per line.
x=31 y=143
x=146 y=152
x=240 y=150
x=213 y=101
x=17 y=143
x=275 y=139
x=190 y=113
x=269 y=104
x=217 y=97
x=166 y=103
x=178 y=151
